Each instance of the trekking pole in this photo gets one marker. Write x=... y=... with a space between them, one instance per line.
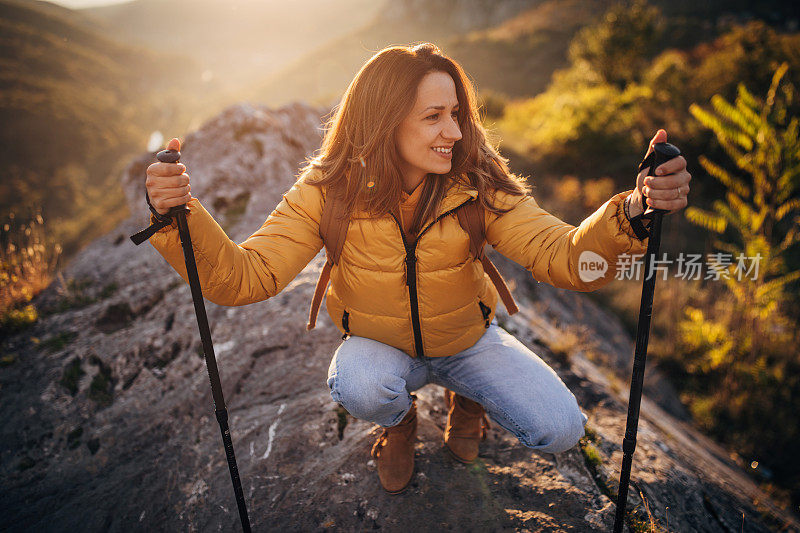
x=179 y=213
x=662 y=152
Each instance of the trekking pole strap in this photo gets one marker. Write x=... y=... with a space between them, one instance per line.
x=162 y=222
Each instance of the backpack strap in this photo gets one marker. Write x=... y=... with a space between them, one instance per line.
x=333 y=226
x=500 y=285
x=322 y=284
x=471 y=218
x=333 y=230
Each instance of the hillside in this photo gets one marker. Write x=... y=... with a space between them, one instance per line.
x=238 y=41
x=511 y=47
x=109 y=423
x=73 y=103
x=323 y=74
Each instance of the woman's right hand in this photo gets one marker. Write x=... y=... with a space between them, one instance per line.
x=168 y=183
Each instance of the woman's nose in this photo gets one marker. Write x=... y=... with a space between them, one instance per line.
x=452 y=131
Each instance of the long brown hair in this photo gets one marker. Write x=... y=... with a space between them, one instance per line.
x=359 y=142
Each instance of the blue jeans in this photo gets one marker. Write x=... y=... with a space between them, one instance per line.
x=519 y=391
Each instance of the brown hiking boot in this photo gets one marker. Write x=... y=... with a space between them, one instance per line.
x=394 y=452
x=466 y=426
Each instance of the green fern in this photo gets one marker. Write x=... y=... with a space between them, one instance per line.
x=738 y=344
x=724 y=177
x=703 y=218
x=756 y=138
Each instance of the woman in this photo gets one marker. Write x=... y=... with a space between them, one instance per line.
x=404 y=149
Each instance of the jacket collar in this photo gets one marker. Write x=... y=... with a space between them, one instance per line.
x=460 y=191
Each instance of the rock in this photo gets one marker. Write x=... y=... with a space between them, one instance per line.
x=152 y=459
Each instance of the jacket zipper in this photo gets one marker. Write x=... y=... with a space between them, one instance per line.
x=486 y=310
x=346 y=324
x=411 y=276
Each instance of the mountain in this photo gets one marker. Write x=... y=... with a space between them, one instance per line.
x=108 y=418
x=235 y=41
x=73 y=103
x=323 y=74
x=510 y=47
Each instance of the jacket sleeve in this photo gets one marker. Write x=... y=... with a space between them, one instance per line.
x=261 y=266
x=563 y=255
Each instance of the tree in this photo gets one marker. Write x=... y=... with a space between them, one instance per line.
x=760 y=214
x=737 y=353
x=620 y=47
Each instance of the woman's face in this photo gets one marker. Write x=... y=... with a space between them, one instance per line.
x=432 y=122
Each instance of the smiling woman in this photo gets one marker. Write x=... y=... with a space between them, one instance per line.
x=406 y=161
x=406 y=108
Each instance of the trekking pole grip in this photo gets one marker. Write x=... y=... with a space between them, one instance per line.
x=172 y=156
x=662 y=152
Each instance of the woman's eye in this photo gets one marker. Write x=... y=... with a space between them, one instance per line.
x=436 y=115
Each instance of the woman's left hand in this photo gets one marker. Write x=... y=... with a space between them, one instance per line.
x=667 y=188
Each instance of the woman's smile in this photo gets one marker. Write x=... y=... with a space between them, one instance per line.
x=444 y=153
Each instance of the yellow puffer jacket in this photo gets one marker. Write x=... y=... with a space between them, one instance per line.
x=439 y=315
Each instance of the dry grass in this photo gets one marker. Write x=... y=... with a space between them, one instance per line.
x=28 y=261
